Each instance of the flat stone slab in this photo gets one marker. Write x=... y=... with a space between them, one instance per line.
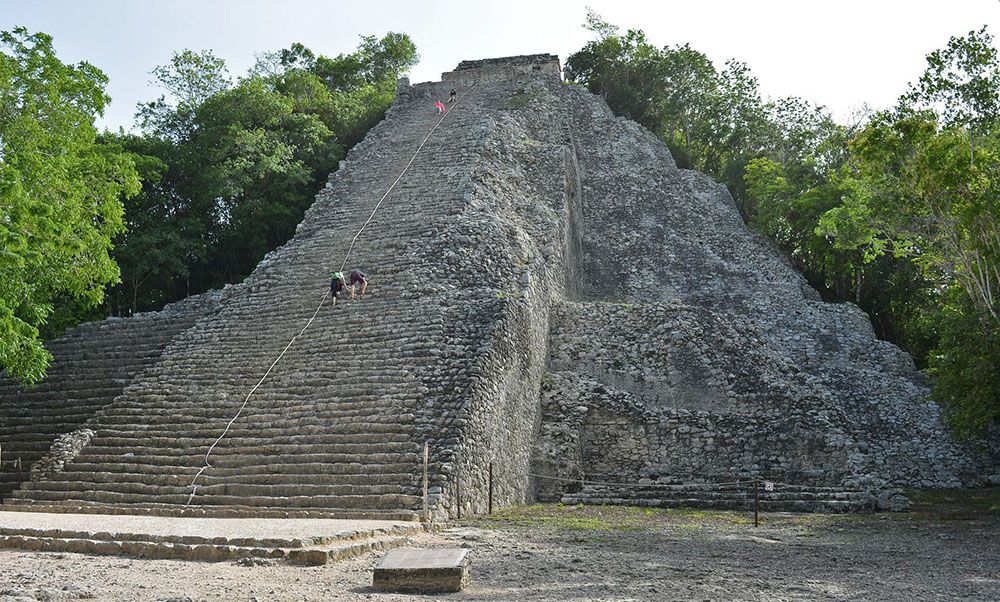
x=264 y=532
x=422 y=571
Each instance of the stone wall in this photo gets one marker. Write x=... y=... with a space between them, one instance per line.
x=507 y=69
x=507 y=255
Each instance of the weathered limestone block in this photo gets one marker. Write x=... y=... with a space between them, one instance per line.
x=422 y=571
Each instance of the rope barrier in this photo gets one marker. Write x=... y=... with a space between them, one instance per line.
x=636 y=485
x=745 y=482
x=194 y=486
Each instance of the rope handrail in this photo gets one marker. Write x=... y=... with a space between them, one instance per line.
x=624 y=484
x=350 y=248
x=637 y=485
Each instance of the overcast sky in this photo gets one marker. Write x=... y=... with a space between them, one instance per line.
x=840 y=53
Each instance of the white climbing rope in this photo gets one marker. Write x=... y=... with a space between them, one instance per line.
x=194 y=486
x=410 y=162
x=207 y=465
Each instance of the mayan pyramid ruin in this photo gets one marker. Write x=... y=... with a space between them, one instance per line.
x=553 y=302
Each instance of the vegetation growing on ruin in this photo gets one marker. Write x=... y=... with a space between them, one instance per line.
x=897 y=211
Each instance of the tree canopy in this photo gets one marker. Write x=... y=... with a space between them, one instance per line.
x=926 y=187
x=61 y=191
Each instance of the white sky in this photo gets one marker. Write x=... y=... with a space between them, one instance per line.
x=838 y=53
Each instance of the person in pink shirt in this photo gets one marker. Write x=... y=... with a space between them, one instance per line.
x=440 y=106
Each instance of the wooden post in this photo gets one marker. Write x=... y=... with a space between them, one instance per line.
x=426 y=505
x=756 y=503
x=489 y=507
x=458 y=494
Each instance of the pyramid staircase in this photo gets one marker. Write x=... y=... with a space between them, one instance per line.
x=92 y=364
x=335 y=427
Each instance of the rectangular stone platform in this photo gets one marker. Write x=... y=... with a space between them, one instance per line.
x=422 y=571
x=304 y=541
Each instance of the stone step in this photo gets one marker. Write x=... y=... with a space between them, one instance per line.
x=199 y=419
x=199 y=511
x=301 y=426
x=214 y=551
x=216 y=533
x=248 y=458
x=391 y=501
x=729 y=495
x=78 y=478
x=245 y=446
x=249 y=437
x=724 y=496
x=159 y=486
x=788 y=505
x=264 y=468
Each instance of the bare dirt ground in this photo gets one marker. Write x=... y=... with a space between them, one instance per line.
x=948 y=548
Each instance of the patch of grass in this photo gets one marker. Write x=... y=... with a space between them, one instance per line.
x=713 y=516
x=597 y=519
x=559 y=517
x=815 y=519
x=956 y=504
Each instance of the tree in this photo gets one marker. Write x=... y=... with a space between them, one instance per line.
x=919 y=197
x=190 y=79
x=230 y=168
x=60 y=194
x=965 y=366
x=262 y=160
x=960 y=85
x=927 y=188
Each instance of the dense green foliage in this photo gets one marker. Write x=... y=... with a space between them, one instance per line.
x=899 y=212
x=230 y=168
x=61 y=191
x=926 y=187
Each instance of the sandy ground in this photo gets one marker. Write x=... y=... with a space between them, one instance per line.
x=941 y=551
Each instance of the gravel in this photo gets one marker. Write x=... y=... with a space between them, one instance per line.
x=600 y=553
